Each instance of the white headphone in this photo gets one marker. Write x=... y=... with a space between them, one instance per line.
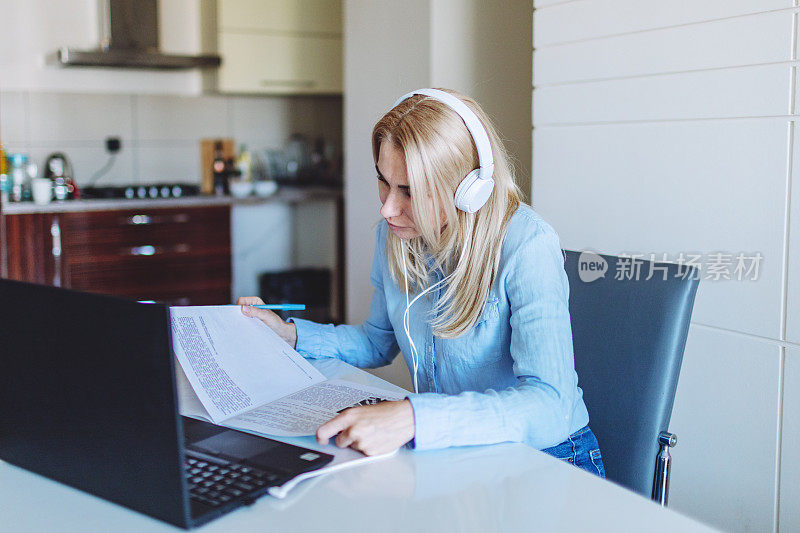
x=406 y=320
x=475 y=188
x=471 y=194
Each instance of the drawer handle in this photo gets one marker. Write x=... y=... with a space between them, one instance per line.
x=149 y=249
x=288 y=83
x=143 y=250
x=55 y=250
x=137 y=220
x=142 y=220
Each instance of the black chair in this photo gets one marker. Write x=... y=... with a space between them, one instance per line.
x=629 y=334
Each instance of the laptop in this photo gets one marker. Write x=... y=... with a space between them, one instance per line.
x=88 y=398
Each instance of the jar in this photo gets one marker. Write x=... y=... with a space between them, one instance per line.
x=18 y=176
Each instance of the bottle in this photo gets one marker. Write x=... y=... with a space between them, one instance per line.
x=244 y=164
x=4 y=182
x=218 y=168
x=31 y=171
x=318 y=163
x=231 y=172
x=18 y=176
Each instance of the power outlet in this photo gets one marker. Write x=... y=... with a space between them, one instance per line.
x=113 y=145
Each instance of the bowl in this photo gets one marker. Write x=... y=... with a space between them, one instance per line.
x=265 y=188
x=241 y=189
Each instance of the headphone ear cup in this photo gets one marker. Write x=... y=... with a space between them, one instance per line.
x=473 y=192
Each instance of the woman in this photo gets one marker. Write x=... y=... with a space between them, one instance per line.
x=470 y=285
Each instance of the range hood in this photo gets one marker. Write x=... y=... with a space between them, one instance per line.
x=129 y=39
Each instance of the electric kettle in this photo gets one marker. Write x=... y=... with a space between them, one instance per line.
x=58 y=169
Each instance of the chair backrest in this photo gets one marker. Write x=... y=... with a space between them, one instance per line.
x=629 y=333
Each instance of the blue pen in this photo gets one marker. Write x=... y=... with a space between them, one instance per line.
x=282 y=307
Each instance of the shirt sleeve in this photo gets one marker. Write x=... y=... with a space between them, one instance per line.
x=368 y=345
x=538 y=408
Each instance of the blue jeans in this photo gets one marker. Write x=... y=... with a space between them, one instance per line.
x=582 y=450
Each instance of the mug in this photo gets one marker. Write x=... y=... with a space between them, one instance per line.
x=42 y=189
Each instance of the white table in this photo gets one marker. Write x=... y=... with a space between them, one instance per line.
x=505 y=487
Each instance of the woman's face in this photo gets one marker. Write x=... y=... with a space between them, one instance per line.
x=394 y=192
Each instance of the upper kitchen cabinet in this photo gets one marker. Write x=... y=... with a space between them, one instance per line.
x=280 y=46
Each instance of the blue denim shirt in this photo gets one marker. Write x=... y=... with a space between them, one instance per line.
x=510 y=378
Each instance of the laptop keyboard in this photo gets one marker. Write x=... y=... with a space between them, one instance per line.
x=214 y=481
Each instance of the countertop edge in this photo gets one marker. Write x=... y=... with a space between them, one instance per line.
x=283 y=195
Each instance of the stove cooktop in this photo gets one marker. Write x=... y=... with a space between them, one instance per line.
x=141 y=192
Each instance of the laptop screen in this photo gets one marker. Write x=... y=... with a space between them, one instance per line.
x=87 y=396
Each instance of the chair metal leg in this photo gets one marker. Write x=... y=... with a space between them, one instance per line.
x=663 y=467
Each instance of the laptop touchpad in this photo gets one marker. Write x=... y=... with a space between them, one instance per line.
x=234 y=444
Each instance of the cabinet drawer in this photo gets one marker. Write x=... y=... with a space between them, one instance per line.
x=280 y=64
x=151 y=277
x=120 y=234
x=280 y=15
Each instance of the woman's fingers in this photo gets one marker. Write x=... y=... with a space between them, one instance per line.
x=371 y=429
x=344 y=439
x=265 y=315
x=247 y=303
x=286 y=331
x=333 y=426
x=249 y=300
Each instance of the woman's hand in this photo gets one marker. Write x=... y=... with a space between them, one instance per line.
x=285 y=330
x=371 y=429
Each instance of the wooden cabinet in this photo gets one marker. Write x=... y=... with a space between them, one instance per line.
x=172 y=255
x=280 y=46
x=32 y=252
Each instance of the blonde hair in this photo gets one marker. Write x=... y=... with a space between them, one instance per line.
x=439 y=152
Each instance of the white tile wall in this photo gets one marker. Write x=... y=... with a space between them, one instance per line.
x=763 y=38
x=673 y=187
x=159 y=133
x=754 y=91
x=664 y=126
x=790 y=459
x=174 y=160
x=590 y=19
x=181 y=118
x=793 y=281
x=260 y=121
x=79 y=118
x=726 y=418
x=13 y=120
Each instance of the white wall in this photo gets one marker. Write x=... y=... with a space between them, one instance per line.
x=485 y=52
x=386 y=52
x=668 y=127
x=394 y=47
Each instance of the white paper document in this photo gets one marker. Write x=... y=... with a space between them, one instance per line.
x=304 y=411
x=238 y=373
x=235 y=363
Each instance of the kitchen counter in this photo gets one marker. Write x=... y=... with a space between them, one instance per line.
x=283 y=195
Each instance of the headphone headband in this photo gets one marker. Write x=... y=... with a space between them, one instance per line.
x=473 y=123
